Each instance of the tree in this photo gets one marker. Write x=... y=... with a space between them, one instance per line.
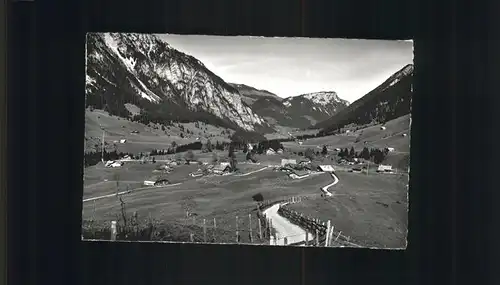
x=209 y=146
x=324 y=151
x=174 y=146
x=189 y=156
x=309 y=153
x=365 y=153
x=230 y=151
x=352 y=153
x=245 y=148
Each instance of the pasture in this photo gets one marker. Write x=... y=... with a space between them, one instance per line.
x=371 y=209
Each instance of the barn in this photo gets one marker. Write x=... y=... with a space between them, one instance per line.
x=288 y=162
x=384 y=168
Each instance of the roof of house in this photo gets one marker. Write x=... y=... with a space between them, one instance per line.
x=326 y=167
x=384 y=167
x=221 y=167
x=285 y=160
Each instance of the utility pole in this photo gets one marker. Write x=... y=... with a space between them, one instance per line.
x=102 y=147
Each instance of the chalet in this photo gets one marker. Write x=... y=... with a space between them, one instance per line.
x=384 y=168
x=112 y=163
x=196 y=174
x=288 y=162
x=270 y=151
x=325 y=168
x=156 y=181
x=123 y=141
x=221 y=168
x=356 y=169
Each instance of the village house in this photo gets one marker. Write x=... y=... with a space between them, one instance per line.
x=270 y=151
x=123 y=141
x=383 y=128
x=325 y=168
x=221 y=168
x=112 y=163
x=389 y=149
x=156 y=181
x=288 y=162
x=384 y=168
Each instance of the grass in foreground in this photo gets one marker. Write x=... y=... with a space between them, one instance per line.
x=371 y=209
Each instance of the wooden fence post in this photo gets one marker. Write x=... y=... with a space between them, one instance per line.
x=204 y=231
x=330 y=236
x=317 y=237
x=260 y=230
x=113 y=230
x=307 y=238
x=237 y=232
x=194 y=220
x=191 y=237
x=328 y=224
x=215 y=228
x=250 y=227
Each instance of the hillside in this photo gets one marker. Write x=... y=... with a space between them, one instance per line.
x=250 y=94
x=299 y=111
x=164 y=83
x=390 y=100
x=144 y=138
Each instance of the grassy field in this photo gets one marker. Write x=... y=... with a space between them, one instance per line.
x=371 y=209
x=149 y=137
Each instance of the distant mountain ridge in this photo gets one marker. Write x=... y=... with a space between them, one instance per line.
x=165 y=83
x=300 y=111
x=390 y=100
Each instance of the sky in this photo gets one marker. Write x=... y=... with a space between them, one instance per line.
x=295 y=66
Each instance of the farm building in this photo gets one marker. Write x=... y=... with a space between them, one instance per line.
x=123 y=141
x=384 y=168
x=221 y=168
x=196 y=174
x=382 y=128
x=300 y=143
x=270 y=151
x=112 y=163
x=127 y=157
x=288 y=161
x=389 y=149
x=325 y=168
x=156 y=181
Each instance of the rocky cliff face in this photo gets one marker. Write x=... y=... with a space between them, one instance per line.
x=163 y=82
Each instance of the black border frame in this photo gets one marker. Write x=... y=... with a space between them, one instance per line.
x=453 y=100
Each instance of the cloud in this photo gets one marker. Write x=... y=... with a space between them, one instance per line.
x=293 y=66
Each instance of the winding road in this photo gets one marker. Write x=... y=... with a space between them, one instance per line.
x=285 y=228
